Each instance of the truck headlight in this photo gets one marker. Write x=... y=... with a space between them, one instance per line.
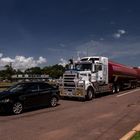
x=81 y=83
x=5 y=101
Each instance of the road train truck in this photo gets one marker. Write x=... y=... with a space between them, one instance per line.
x=96 y=75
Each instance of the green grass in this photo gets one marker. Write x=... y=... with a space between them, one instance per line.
x=2 y=89
x=136 y=136
x=5 y=85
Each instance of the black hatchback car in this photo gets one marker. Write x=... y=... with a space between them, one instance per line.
x=28 y=94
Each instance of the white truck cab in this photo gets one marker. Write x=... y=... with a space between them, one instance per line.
x=88 y=77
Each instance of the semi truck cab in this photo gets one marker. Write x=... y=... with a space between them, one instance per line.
x=85 y=77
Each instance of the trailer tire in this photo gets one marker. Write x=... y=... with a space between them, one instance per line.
x=90 y=94
x=113 y=89
x=117 y=88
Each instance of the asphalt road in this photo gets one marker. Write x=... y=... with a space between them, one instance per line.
x=104 y=118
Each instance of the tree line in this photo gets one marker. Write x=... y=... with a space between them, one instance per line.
x=54 y=71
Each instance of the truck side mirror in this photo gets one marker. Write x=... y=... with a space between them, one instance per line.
x=93 y=69
x=96 y=68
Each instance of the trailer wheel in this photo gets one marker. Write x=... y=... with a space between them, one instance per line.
x=117 y=88
x=113 y=89
x=90 y=94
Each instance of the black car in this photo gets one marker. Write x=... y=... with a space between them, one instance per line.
x=28 y=94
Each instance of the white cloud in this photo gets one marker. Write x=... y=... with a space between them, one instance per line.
x=63 y=62
x=7 y=60
x=119 y=33
x=22 y=62
x=41 y=60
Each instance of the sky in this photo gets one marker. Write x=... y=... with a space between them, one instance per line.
x=48 y=32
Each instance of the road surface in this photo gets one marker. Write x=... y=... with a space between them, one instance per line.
x=104 y=118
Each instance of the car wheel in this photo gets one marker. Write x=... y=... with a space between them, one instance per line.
x=53 y=101
x=17 y=108
x=90 y=94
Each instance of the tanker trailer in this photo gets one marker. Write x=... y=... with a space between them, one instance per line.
x=122 y=76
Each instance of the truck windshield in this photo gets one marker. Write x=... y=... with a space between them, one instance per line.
x=83 y=67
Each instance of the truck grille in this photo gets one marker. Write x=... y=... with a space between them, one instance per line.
x=68 y=80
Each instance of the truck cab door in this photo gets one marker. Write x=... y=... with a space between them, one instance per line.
x=99 y=73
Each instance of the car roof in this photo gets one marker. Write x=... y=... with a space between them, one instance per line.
x=33 y=82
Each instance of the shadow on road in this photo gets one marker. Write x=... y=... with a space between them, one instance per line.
x=32 y=109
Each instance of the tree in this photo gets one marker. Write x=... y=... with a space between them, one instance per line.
x=34 y=70
x=7 y=73
x=54 y=71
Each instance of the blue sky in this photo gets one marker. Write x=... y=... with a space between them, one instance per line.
x=55 y=30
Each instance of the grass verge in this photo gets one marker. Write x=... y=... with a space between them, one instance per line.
x=5 y=85
x=136 y=136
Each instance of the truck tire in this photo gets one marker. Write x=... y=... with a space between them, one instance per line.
x=113 y=89
x=90 y=94
x=117 y=88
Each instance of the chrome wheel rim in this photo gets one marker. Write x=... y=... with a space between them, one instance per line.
x=17 y=108
x=53 y=101
x=90 y=94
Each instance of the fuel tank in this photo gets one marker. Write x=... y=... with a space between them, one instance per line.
x=119 y=72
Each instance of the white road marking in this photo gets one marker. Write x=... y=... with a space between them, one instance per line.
x=127 y=93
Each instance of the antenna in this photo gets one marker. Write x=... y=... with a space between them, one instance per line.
x=78 y=56
x=87 y=51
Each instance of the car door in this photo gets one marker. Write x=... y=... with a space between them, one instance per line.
x=31 y=95
x=44 y=93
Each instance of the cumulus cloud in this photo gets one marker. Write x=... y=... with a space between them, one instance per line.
x=41 y=60
x=119 y=33
x=1 y=54
x=63 y=62
x=22 y=62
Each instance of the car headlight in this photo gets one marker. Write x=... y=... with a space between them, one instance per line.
x=5 y=101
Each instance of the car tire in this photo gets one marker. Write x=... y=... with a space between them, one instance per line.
x=17 y=108
x=53 y=101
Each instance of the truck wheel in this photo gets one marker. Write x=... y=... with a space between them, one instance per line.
x=117 y=89
x=135 y=85
x=113 y=89
x=90 y=94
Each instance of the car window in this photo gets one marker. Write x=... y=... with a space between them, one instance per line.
x=17 y=88
x=44 y=86
x=33 y=88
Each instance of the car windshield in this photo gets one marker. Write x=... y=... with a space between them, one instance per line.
x=17 y=88
x=83 y=67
